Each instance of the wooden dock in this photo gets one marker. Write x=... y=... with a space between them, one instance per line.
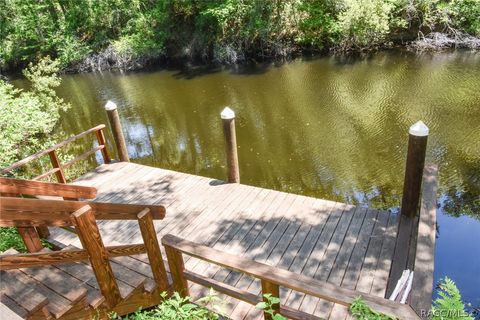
x=241 y=240
x=342 y=244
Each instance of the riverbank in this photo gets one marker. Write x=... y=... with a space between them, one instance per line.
x=110 y=59
x=86 y=36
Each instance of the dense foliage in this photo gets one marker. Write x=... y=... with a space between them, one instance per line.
x=87 y=34
x=27 y=117
x=10 y=238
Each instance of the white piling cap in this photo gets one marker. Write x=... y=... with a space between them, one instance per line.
x=110 y=105
x=227 y=114
x=419 y=129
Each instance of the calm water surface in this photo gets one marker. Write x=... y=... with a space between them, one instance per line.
x=326 y=127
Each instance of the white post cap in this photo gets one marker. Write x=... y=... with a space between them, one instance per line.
x=419 y=129
x=110 y=105
x=227 y=114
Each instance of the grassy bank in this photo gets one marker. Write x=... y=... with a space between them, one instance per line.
x=130 y=34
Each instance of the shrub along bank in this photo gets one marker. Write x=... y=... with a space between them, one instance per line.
x=129 y=34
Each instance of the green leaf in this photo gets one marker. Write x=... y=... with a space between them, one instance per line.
x=188 y=306
x=274 y=300
x=279 y=317
x=261 y=305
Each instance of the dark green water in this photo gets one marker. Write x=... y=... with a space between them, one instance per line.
x=327 y=127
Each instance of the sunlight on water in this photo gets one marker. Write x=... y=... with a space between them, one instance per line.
x=329 y=127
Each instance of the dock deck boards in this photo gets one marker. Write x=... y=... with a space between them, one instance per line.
x=330 y=241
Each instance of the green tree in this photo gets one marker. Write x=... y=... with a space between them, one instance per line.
x=28 y=117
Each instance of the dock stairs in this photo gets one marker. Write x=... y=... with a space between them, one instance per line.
x=75 y=283
x=71 y=291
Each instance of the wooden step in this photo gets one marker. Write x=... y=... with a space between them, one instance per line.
x=23 y=300
x=70 y=290
x=18 y=280
x=127 y=280
x=8 y=303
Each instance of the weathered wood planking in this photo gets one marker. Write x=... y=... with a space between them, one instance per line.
x=322 y=239
x=424 y=257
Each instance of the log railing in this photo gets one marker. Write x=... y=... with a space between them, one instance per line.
x=271 y=278
x=22 y=212
x=36 y=188
x=58 y=168
x=15 y=188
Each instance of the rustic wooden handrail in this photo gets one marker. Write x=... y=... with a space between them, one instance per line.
x=91 y=239
x=57 y=166
x=23 y=212
x=422 y=286
x=35 y=188
x=30 y=236
x=28 y=260
x=271 y=277
x=14 y=187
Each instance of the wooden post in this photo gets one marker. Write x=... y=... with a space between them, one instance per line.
x=102 y=141
x=60 y=174
x=30 y=238
x=117 y=132
x=154 y=254
x=91 y=240
x=177 y=267
x=43 y=231
x=417 y=147
x=273 y=289
x=228 y=119
x=56 y=164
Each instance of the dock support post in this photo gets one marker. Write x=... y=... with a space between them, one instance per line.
x=117 y=132
x=417 y=146
x=228 y=119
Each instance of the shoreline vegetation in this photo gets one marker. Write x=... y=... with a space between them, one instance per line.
x=88 y=35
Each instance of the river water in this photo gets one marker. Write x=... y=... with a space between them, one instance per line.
x=334 y=128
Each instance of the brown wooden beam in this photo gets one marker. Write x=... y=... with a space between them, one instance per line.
x=103 y=142
x=177 y=269
x=30 y=238
x=37 y=212
x=272 y=289
x=57 y=165
x=417 y=148
x=16 y=261
x=89 y=235
x=154 y=254
x=36 y=188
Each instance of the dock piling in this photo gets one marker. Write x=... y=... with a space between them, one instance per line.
x=228 y=119
x=417 y=146
x=117 y=132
